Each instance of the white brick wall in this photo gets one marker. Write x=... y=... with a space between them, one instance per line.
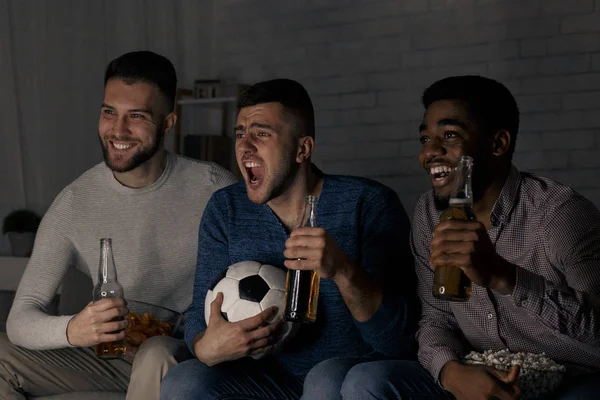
x=366 y=63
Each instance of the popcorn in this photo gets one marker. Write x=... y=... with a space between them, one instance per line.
x=539 y=375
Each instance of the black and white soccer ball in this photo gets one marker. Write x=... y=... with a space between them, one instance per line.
x=249 y=288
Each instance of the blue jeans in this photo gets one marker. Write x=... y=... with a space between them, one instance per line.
x=356 y=378
x=244 y=379
x=359 y=379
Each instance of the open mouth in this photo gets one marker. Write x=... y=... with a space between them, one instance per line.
x=122 y=146
x=441 y=175
x=255 y=172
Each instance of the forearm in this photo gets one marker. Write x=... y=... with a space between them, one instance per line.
x=194 y=328
x=31 y=327
x=360 y=292
x=384 y=320
x=504 y=283
x=447 y=373
x=569 y=312
x=439 y=336
x=438 y=345
x=29 y=323
x=211 y=261
x=196 y=345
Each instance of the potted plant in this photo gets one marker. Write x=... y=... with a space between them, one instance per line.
x=21 y=227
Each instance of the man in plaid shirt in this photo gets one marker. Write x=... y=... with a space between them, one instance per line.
x=533 y=255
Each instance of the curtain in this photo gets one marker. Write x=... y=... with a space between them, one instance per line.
x=52 y=59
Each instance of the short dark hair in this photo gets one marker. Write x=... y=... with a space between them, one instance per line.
x=145 y=66
x=290 y=94
x=488 y=101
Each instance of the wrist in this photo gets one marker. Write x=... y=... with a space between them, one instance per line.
x=505 y=283
x=69 y=338
x=198 y=349
x=448 y=373
x=346 y=273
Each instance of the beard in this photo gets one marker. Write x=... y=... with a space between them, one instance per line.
x=140 y=157
x=281 y=181
x=284 y=178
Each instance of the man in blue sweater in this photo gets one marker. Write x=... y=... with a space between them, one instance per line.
x=360 y=251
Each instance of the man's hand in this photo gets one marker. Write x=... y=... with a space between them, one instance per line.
x=473 y=382
x=96 y=323
x=466 y=244
x=313 y=249
x=226 y=341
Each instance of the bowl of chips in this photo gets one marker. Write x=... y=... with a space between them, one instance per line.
x=146 y=320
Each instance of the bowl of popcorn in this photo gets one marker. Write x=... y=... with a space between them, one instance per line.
x=146 y=320
x=539 y=376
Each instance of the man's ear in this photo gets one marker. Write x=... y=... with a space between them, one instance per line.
x=170 y=121
x=501 y=143
x=305 y=149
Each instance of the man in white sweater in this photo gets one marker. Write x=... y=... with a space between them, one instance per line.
x=150 y=203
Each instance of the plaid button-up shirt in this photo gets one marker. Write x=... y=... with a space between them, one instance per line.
x=553 y=235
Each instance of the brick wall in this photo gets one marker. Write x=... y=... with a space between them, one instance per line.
x=366 y=63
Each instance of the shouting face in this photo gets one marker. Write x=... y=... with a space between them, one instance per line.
x=265 y=150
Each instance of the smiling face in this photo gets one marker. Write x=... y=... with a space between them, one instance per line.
x=132 y=124
x=447 y=133
x=266 y=151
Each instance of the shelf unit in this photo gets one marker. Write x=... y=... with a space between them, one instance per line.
x=185 y=98
x=212 y=101
x=186 y=102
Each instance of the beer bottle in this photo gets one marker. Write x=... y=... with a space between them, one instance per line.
x=108 y=287
x=302 y=287
x=450 y=282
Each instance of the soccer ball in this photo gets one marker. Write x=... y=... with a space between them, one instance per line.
x=249 y=288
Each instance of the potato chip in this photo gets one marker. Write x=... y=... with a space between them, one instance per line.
x=140 y=328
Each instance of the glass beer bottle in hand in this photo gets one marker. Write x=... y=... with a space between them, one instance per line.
x=302 y=287
x=450 y=282
x=108 y=287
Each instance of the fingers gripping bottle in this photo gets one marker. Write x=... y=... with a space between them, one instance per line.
x=302 y=287
x=108 y=287
x=450 y=282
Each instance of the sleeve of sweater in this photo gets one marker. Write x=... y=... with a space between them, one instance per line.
x=387 y=257
x=213 y=259
x=222 y=177
x=29 y=325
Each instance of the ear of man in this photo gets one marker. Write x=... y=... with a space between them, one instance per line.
x=305 y=148
x=501 y=142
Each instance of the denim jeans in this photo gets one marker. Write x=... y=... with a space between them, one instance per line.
x=244 y=379
x=359 y=379
x=356 y=378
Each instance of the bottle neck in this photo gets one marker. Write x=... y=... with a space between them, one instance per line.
x=310 y=211
x=107 y=272
x=462 y=192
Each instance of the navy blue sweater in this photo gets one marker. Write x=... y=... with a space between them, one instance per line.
x=366 y=220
